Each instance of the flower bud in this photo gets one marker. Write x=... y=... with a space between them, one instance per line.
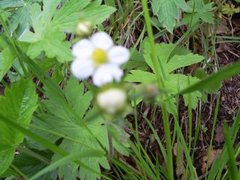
x=84 y=28
x=112 y=100
x=148 y=91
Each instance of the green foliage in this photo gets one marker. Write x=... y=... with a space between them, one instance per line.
x=200 y=12
x=230 y=9
x=18 y=104
x=211 y=83
x=83 y=134
x=169 y=11
x=45 y=29
x=171 y=59
x=67 y=137
x=6 y=58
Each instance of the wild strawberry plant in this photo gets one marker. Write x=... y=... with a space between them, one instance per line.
x=68 y=88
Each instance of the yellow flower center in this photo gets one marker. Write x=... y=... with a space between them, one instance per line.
x=99 y=56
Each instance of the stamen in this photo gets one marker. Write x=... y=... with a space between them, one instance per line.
x=99 y=56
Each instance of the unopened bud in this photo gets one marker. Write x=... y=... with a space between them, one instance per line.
x=149 y=91
x=112 y=100
x=84 y=28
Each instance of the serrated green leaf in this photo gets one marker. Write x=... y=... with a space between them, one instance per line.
x=18 y=104
x=96 y=13
x=82 y=101
x=50 y=24
x=201 y=12
x=140 y=76
x=6 y=61
x=182 y=4
x=88 y=142
x=168 y=14
x=53 y=45
x=179 y=61
x=171 y=59
x=88 y=132
x=168 y=11
x=84 y=140
x=69 y=15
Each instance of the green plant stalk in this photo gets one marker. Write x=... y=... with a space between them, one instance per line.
x=189 y=127
x=110 y=145
x=190 y=118
x=155 y=61
x=160 y=83
x=197 y=128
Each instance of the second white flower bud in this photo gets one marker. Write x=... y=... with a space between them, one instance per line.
x=112 y=100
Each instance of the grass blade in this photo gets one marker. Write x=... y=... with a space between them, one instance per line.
x=233 y=171
x=225 y=73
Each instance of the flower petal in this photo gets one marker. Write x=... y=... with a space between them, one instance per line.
x=82 y=69
x=83 y=49
x=106 y=74
x=118 y=55
x=102 y=40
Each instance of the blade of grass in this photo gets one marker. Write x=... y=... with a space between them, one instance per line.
x=233 y=171
x=223 y=74
x=219 y=164
x=186 y=150
x=142 y=162
x=157 y=139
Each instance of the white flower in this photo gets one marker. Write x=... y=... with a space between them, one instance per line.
x=99 y=58
x=112 y=100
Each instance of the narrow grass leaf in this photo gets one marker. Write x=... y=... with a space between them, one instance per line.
x=220 y=163
x=233 y=171
x=209 y=81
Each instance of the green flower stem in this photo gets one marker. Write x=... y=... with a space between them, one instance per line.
x=110 y=150
x=110 y=143
x=157 y=67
